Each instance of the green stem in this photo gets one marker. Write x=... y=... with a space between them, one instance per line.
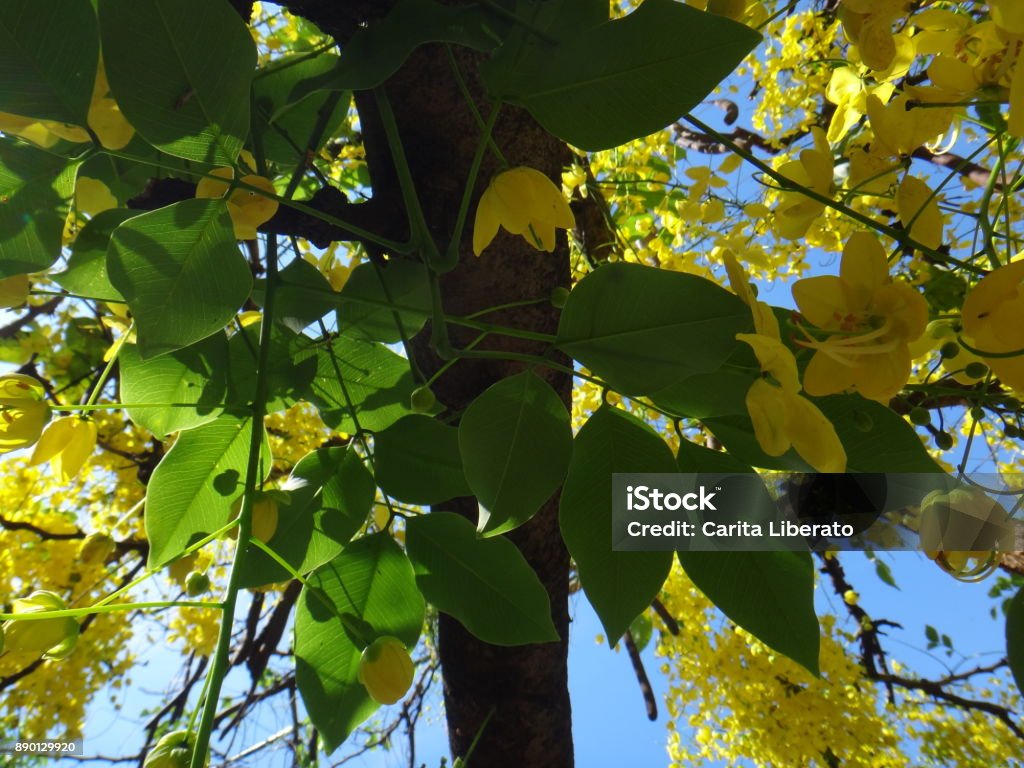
x=76 y=612
x=219 y=667
x=414 y=211
x=104 y=375
x=451 y=257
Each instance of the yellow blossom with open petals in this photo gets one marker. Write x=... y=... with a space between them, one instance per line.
x=23 y=411
x=993 y=317
x=870 y=321
x=524 y=202
x=67 y=443
x=919 y=212
x=51 y=638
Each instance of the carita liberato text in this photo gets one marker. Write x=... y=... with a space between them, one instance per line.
x=783 y=529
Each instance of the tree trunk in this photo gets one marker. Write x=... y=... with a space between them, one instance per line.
x=524 y=690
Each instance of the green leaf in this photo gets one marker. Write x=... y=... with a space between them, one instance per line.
x=1015 y=638
x=48 y=55
x=196 y=375
x=86 y=274
x=303 y=295
x=324 y=513
x=401 y=283
x=371 y=581
x=376 y=381
x=286 y=115
x=191 y=491
x=769 y=594
x=516 y=441
x=484 y=583
x=641 y=329
x=888 y=444
x=377 y=51
x=36 y=189
x=181 y=72
x=181 y=273
x=620 y=585
x=289 y=372
x=696 y=458
x=416 y=460
x=621 y=80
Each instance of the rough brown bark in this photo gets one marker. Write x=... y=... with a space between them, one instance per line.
x=523 y=690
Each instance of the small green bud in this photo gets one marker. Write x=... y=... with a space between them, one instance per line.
x=943 y=440
x=559 y=296
x=197 y=584
x=422 y=400
x=977 y=413
x=976 y=370
x=949 y=350
x=1011 y=430
x=921 y=417
x=96 y=548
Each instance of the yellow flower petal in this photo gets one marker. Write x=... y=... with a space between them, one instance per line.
x=813 y=436
x=1015 y=124
x=823 y=300
x=825 y=375
x=863 y=267
x=249 y=209
x=485 y=227
x=919 y=211
x=775 y=358
x=767 y=414
x=213 y=186
x=67 y=443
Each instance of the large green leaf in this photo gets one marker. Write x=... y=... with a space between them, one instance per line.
x=484 y=583
x=302 y=297
x=1015 y=638
x=333 y=497
x=181 y=72
x=357 y=381
x=769 y=594
x=626 y=78
x=48 y=55
x=370 y=293
x=377 y=51
x=191 y=491
x=158 y=388
x=875 y=438
x=289 y=371
x=618 y=584
x=36 y=188
x=641 y=329
x=181 y=273
x=285 y=116
x=416 y=460
x=86 y=273
x=372 y=582
x=515 y=440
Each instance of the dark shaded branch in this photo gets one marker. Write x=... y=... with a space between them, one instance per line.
x=650 y=702
x=12 y=329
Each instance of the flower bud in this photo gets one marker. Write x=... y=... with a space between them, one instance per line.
x=264 y=516
x=23 y=411
x=386 y=670
x=172 y=751
x=422 y=400
x=96 y=548
x=53 y=638
x=197 y=584
x=67 y=444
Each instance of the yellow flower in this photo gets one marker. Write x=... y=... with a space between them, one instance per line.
x=92 y=196
x=525 y=202
x=53 y=638
x=849 y=93
x=96 y=548
x=67 y=443
x=814 y=170
x=248 y=209
x=993 y=316
x=900 y=129
x=105 y=118
x=871 y=321
x=13 y=291
x=23 y=411
x=386 y=670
